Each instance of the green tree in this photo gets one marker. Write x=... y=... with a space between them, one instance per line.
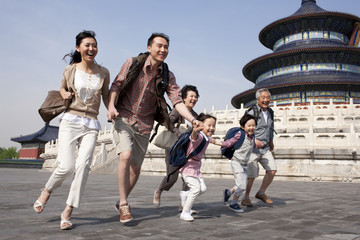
x=9 y=153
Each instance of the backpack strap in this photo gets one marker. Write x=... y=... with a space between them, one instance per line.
x=241 y=140
x=191 y=155
x=255 y=111
x=256 y=114
x=197 y=150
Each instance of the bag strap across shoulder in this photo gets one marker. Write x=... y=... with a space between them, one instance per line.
x=191 y=155
x=197 y=150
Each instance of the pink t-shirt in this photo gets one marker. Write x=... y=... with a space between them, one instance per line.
x=193 y=165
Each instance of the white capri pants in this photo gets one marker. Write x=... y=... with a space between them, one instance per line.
x=71 y=136
x=197 y=187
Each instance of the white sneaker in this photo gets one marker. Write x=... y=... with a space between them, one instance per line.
x=183 y=195
x=186 y=216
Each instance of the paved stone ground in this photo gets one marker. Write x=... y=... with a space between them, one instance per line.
x=301 y=210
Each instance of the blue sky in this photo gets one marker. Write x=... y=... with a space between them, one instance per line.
x=210 y=42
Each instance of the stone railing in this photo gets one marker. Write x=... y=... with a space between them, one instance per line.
x=313 y=142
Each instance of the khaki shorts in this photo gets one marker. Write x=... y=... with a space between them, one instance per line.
x=127 y=138
x=266 y=160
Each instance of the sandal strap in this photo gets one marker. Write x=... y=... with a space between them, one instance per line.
x=41 y=198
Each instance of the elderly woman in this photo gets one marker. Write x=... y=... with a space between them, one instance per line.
x=190 y=97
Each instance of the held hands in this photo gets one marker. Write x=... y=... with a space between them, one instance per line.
x=213 y=141
x=197 y=126
x=112 y=113
x=259 y=144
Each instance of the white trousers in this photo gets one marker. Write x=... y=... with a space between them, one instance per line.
x=72 y=136
x=197 y=187
x=240 y=173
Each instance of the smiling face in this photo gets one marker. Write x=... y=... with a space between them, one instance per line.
x=250 y=127
x=87 y=49
x=191 y=99
x=158 y=50
x=209 y=126
x=264 y=100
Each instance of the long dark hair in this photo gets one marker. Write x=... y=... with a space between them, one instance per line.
x=75 y=56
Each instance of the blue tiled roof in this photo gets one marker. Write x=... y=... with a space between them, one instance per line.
x=309 y=17
x=308 y=7
x=47 y=133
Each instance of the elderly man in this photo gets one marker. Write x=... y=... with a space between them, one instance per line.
x=264 y=135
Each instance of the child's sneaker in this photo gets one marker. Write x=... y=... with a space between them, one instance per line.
x=186 y=216
x=227 y=194
x=236 y=208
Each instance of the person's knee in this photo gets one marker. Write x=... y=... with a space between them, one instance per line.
x=250 y=180
x=136 y=169
x=271 y=172
x=66 y=170
x=125 y=156
x=196 y=191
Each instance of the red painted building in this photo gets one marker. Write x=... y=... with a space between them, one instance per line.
x=33 y=145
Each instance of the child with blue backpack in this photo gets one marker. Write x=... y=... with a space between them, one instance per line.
x=237 y=146
x=190 y=172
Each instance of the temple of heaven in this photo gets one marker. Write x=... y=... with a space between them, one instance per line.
x=315 y=58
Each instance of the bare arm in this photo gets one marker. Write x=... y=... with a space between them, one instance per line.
x=181 y=108
x=112 y=113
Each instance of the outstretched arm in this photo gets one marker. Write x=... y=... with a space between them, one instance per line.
x=195 y=132
x=182 y=109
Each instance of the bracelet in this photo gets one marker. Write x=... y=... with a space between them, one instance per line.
x=192 y=121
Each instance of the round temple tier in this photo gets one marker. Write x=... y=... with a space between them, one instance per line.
x=311 y=59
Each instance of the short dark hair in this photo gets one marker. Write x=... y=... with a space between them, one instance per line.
x=154 y=35
x=202 y=117
x=186 y=88
x=246 y=118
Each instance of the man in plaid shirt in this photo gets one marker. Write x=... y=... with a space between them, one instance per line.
x=134 y=114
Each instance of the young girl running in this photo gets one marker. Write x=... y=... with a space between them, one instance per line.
x=240 y=159
x=191 y=173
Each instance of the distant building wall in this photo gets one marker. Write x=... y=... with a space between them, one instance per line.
x=30 y=153
x=313 y=143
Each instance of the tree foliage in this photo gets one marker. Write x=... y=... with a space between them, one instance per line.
x=9 y=153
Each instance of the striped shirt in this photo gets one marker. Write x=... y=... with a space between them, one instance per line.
x=138 y=104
